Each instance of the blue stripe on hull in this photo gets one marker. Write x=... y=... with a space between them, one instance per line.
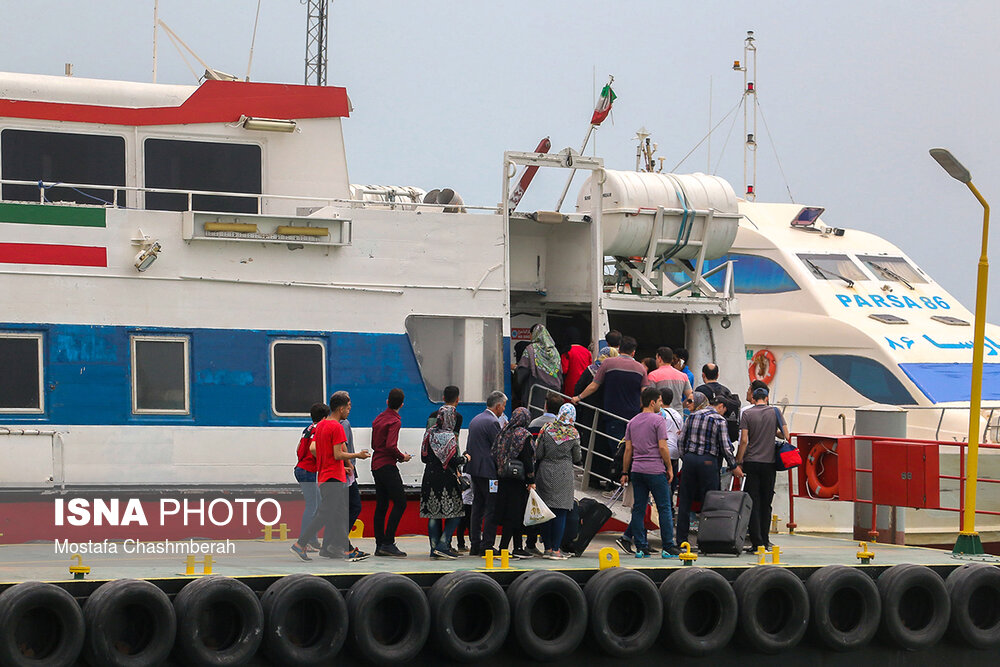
x=88 y=376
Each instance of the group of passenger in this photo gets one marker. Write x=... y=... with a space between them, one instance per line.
x=667 y=431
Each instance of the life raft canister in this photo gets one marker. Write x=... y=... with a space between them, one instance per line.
x=814 y=466
x=763 y=366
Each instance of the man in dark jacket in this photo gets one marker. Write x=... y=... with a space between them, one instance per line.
x=483 y=430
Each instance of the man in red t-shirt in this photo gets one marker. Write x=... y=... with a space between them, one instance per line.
x=329 y=446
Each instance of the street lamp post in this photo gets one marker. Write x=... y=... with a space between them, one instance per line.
x=968 y=541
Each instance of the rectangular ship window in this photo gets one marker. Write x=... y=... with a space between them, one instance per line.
x=298 y=376
x=202 y=165
x=21 y=373
x=61 y=157
x=463 y=351
x=160 y=380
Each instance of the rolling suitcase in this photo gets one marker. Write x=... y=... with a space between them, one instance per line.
x=593 y=516
x=722 y=526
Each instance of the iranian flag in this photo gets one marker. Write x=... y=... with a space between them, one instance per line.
x=603 y=107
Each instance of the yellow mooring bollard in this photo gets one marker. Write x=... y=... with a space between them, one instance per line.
x=357 y=530
x=608 y=557
x=687 y=557
x=282 y=531
x=268 y=533
x=864 y=555
x=774 y=524
x=488 y=557
x=190 y=561
x=79 y=571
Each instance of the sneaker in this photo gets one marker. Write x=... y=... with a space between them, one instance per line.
x=670 y=552
x=521 y=553
x=641 y=553
x=653 y=551
x=326 y=553
x=624 y=544
x=558 y=555
x=389 y=551
x=356 y=555
x=547 y=555
x=462 y=549
x=300 y=552
x=511 y=555
x=442 y=554
x=534 y=552
x=315 y=545
x=453 y=553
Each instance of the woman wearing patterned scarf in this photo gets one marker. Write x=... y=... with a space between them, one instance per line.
x=540 y=365
x=557 y=450
x=440 y=493
x=513 y=443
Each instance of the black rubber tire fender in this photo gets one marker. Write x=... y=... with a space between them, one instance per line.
x=40 y=624
x=470 y=616
x=699 y=611
x=624 y=611
x=130 y=623
x=305 y=620
x=773 y=609
x=974 y=590
x=845 y=607
x=915 y=606
x=389 y=618
x=548 y=615
x=219 y=622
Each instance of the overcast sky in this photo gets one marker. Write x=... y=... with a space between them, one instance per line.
x=854 y=93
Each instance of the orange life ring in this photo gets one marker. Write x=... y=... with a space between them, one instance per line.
x=817 y=488
x=763 y=366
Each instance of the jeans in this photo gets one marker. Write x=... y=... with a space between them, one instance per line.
x=615 y=428
x=463 y=526
x=441 y=539
x=310 y=492
x=553 y=530
x=701 y=474
x=388 y=488
x=642 y=485
x=482 y=526
x=331 y=517
x=760 y=486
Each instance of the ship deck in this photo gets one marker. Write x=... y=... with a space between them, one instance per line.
x=257 y=559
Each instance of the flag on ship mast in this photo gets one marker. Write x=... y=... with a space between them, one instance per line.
x=603 y=107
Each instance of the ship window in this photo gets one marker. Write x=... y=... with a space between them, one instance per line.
x=202 y=165
x=160 y=382
x=892 y=269
x=61 y=157
x=21 y=377
x=462 y=351
x=752 y=274
x=867 y=377
x=298 y=376
x=833 y=267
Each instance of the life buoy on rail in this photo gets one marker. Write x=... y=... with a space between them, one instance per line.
x=763 y=366
x=817 y=487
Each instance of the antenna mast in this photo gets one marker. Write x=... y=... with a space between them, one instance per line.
x=317 y=30
x=749 y=69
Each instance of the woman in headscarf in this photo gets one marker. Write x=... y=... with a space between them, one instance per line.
x=440 y=492
x=513 y=443
x=540 y=365
x=557 y=450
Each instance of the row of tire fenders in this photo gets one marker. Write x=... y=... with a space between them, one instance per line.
x=467 y=616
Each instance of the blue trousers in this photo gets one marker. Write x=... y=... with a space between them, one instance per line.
x=310 y=492
x=554 y=529
x=353 y=505
x=441 y=539
x=642 y=485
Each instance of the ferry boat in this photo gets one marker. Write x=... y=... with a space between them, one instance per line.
x=187 y=269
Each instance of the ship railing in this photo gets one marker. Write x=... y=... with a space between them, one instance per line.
x=117 y=192
x=592 y=434
x=991 y=430
x=58 y=477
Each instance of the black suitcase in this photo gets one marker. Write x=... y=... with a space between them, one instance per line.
x=593 y=516
x=723 y=523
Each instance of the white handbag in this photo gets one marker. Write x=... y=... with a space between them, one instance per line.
x=536 y=511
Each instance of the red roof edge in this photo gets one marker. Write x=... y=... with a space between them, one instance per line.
x=212 y=102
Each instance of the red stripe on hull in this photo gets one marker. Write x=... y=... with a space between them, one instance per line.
x=212 y=102
x=62 y=255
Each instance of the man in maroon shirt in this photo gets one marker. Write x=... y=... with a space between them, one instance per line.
x=329 y=446
x=388 y=483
